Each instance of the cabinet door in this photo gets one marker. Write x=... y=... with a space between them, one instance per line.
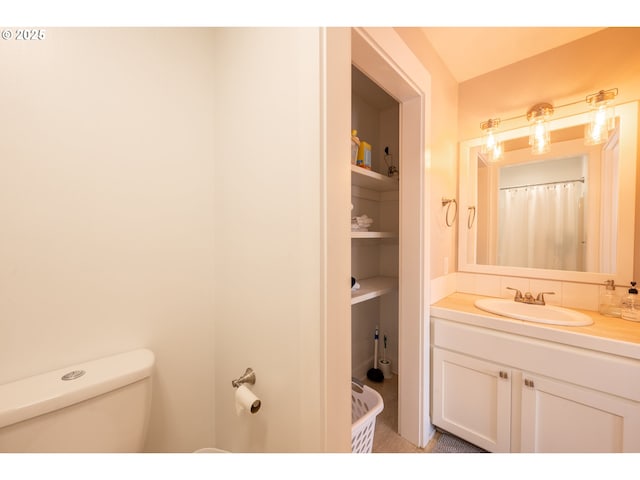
x=472 y=399
x=565 y=418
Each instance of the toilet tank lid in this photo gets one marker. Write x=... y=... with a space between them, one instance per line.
x=46 y=392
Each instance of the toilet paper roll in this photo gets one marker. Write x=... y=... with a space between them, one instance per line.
x=246 y=400
x=385 y=367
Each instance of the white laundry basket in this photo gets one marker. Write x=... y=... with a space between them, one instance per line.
x=366 y=404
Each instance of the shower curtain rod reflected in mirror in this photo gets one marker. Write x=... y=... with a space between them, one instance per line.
x=581 y=180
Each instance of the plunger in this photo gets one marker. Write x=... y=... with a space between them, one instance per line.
x=375 y=374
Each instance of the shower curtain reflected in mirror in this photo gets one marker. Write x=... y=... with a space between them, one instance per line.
x=542 y=226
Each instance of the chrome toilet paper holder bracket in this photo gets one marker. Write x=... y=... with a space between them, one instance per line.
x=249 y=377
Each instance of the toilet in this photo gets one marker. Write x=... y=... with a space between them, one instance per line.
x=100 y=406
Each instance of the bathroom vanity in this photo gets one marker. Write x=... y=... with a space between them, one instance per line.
x=516 y=386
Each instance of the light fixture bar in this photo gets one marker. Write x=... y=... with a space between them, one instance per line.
x=597 y=130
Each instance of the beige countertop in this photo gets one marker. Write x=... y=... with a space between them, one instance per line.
x=610 y=335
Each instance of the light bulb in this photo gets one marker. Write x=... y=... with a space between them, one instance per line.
x=601 y=117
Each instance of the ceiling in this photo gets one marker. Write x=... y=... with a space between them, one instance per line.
x=472 y=51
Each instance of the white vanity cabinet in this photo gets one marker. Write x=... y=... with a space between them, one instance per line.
x=472 y=399
x=514 y=393
x=558 y=416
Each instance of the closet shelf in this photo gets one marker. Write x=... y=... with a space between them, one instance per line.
x=372 y=288
x=373 y=235
x=372 y=180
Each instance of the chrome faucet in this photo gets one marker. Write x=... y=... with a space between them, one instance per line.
x=528 y=298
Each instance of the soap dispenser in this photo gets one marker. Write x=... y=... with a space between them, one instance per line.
x=631 y=305
x=609 y=304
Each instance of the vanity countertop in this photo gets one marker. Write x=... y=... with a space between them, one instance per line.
x=610 y=335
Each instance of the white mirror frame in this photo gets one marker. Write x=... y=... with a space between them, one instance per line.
x=627 y=144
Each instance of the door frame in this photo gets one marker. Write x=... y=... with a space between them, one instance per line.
x=381 y=54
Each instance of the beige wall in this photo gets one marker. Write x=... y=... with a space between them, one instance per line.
x=167 y=188
x=606 y=59
x=106 y=201
x=443 y=160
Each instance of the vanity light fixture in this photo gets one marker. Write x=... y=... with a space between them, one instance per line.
x=539 y=136
x=601 y=116
x=491 y=145
x=601 y=121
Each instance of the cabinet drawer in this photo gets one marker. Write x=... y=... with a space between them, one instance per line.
x=600 y=371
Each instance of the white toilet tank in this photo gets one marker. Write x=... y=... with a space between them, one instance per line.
x=97 y=406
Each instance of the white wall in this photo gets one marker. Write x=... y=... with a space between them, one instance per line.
x=106 y=211
x=184 y=190
x=271 y=228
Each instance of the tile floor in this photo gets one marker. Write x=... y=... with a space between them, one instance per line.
x=386 y=438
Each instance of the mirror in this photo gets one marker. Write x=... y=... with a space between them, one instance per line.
x=565 y=215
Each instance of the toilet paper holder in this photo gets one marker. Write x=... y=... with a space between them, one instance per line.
x=249 y=377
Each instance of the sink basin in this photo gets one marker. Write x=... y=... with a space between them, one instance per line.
x=533 y=313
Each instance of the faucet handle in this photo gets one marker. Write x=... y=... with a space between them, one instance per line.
x=518 y=295
x=540 y=297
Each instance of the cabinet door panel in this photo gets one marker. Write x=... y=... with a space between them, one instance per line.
x=472 y=399
x=559 y=417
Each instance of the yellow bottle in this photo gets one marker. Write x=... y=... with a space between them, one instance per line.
x=364 y=155
x=355 y=146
